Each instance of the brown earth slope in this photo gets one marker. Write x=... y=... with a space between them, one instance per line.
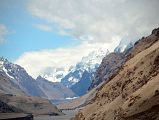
x=28 y=104
x=133 y=94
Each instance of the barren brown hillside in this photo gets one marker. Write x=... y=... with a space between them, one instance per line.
x=28 y=104
x=133 y=94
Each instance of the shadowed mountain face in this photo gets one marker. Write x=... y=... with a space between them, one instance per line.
x=54 y=91
x=132 y=93
x=81 y=87
x=8 y=86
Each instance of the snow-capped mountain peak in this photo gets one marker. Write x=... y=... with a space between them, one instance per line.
x=92 y=61
x=95 y=57
x=8 y=67
x=88 y=63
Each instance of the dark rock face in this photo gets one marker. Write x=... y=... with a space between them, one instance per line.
x=82 y=86
x=109 y=66
x=156 y=31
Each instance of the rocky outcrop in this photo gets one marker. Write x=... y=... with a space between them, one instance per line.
x=109 y=66
x=156 y=32
x=132 y=94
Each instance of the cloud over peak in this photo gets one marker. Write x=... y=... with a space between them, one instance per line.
x=57 y=58
x=97 y=23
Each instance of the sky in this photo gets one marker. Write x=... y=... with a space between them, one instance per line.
x=58 y=33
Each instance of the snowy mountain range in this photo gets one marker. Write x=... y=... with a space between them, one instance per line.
x=20 y=77
x=88 y=63
x=78 y=78
x=15 y=80
x=78 y=75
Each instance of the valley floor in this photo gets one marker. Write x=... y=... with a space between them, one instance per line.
x=68 y=115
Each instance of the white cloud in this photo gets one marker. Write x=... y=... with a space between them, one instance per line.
x=97 y=23
x=3 y=33
x=37 y=61
x=101 y=20
x=43 y=27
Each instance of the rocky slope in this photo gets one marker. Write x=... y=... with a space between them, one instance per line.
x=111 y=63
x=7 y=86
x=109 y=66
x=133 y=93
